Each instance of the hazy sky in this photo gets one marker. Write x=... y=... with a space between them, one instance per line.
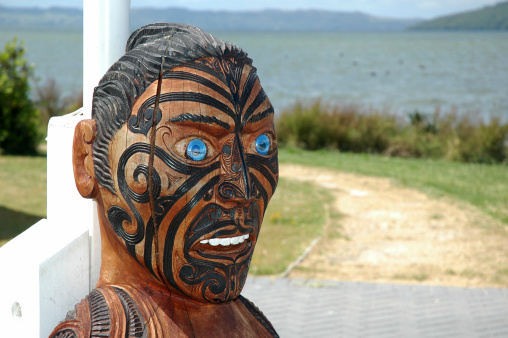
x=385 y=8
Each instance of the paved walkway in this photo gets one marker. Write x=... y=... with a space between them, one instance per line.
x=312 y=308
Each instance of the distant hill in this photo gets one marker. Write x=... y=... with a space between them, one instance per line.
x=265 y=20
x=39 y=17
x=271 y=20
x=488 y=18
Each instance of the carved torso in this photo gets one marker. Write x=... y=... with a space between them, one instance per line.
x=122 y=311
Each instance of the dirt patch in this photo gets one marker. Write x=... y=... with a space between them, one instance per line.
x=377 y=231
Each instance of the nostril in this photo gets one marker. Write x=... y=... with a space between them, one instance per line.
x=236 y=168
x=226 y=150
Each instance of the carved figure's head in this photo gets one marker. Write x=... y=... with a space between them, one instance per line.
x=181 y=156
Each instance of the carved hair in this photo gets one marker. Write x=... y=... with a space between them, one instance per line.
x=129 y=77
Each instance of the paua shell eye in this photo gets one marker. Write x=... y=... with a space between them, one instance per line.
x=263 y=144
x=196 y=150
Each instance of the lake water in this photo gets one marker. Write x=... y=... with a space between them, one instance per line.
x=401 y=72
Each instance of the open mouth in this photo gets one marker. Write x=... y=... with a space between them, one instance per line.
x=225 y=241
x=229 y=248
x=221 y=234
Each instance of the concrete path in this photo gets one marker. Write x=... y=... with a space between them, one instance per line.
x=317 y=308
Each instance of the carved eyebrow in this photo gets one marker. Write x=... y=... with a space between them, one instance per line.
x=260 y=116
x=200 y=118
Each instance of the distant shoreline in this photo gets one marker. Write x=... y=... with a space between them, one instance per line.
x=489 y=18
x=263 y=20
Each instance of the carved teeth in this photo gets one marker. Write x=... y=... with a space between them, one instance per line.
x=225 y=241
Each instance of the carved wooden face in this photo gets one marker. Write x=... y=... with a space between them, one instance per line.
x=214 y=171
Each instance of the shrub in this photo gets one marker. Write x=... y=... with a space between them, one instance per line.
x=350 y=128
x=73 y=102
x=50 y=101
x=304 y=126
x=484 y=143
x=19 y=120
x=494 y=140
x=318 y=126
x=371 y=133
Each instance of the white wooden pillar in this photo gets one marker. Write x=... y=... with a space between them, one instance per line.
x=105 y=33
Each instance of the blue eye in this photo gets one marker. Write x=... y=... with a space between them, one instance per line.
x=262 y=144
x=196 y=150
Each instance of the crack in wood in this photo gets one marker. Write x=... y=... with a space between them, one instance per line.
x=150 y=169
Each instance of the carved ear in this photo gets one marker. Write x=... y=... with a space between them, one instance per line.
x=82 y=160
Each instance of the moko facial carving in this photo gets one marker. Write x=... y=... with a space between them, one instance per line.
x=181 y=157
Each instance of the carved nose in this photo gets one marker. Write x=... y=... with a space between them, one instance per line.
x=234 y=174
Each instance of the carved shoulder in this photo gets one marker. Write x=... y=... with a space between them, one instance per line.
x=258 y=315
x=76 y=324
x=105 y=312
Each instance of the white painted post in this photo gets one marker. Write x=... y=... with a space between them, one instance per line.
x=105 y=32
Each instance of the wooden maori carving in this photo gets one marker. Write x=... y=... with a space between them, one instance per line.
x=181 y=157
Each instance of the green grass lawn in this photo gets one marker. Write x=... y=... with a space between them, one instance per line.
x=484 y=186
x=295 y=216
x=23 y=194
